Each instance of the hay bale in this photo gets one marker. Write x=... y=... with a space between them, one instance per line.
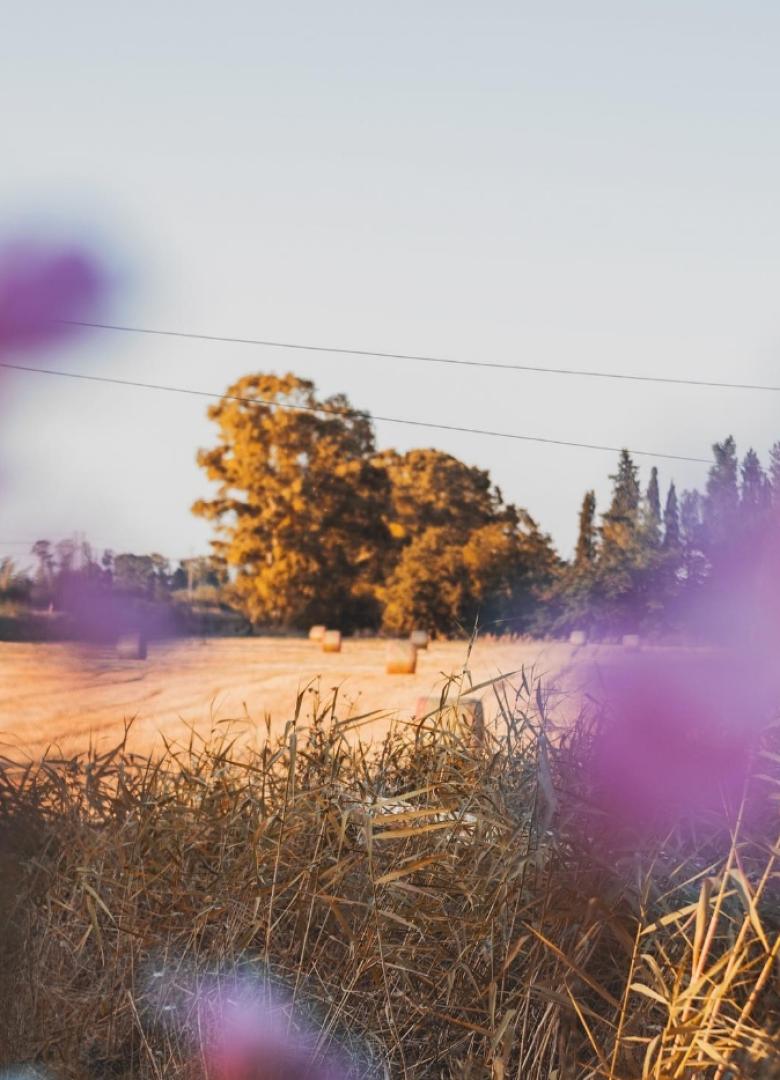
x=631 y=641
x=331 y=641
x=419 y=638
x=316 y=633
x=465 y=713
x=578 y=637
x=131 y=647
x=401 y=658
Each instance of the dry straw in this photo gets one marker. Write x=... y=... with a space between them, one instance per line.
x=316 y=633
x=464 y=715
x=443 y=909
x=401 y=658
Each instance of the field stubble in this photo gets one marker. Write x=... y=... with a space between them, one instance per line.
x=58 y=695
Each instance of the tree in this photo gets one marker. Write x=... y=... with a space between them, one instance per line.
x=510 y=566
x=692 y=518
x=630 y=586
x=199 y=571
x=301 y=509
x=755 y=494
x=721 y=503
x=67 y=551
x=41 y=549
x=434 y=490
x=585 y=553
x=493 y=580
x=141 y=575
x=621 y=520
x=428 y=587
x=671 y=520
x=695 y=562
x=15 y=586
x=654 y=497
x=774 y=473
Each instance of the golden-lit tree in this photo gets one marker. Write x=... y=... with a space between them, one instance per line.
x=319 y=527
x=434 y=490
x=509 y=564
x=301 y=510
x=428 y=587
x=493 y=577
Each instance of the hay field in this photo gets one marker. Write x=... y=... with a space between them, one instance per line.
x=64 y=696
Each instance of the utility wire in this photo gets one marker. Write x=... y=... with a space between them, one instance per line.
x=537 y=369
x=354 y=413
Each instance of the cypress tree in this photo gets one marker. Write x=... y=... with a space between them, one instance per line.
x=654 y=497
x=652 y=511
x=620 y=522
x=774 y=474
x=721 y=503
x=625 y=491
x=586 y=541
x=671 y=520
x=691 y=518
x=755 y=494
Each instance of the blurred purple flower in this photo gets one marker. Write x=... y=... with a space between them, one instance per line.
x=42 y=288
x=677 y=738
x=246 y=1035
x=681 y=725
x=100 y=615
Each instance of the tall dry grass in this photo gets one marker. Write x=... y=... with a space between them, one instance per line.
x=441 y=907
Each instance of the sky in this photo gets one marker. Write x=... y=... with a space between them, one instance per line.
x=574 y=185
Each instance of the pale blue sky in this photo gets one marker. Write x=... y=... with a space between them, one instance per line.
x=581 y=185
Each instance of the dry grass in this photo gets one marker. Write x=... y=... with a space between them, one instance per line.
x=445 y=908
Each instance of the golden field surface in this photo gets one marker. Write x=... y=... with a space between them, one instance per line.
x=64 y=696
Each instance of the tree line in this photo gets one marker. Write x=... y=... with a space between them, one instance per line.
x=681 y=564
x=75 y=590
x=317 y=525
x=314 y=524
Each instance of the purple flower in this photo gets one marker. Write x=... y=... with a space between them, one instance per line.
x=246 y=1034
x=42 y=288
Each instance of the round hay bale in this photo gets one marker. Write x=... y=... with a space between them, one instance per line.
x=331 y=641
x=419 y=638
x=316 y=633
x=401 y=658
x=631 y=641
x=578 y=637
x=131 y=647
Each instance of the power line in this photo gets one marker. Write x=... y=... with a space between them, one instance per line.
x=354 y=413
x=536 y=369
